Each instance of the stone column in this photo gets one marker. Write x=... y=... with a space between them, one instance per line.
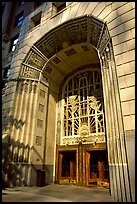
x=119 y=182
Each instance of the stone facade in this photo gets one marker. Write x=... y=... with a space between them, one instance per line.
x=42 y=61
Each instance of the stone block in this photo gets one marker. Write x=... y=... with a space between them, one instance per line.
x=131 y=44
x=132 y=64
x=125 y=108
x=124 y=69
x=125 y=36
x=113 y=24
x=73 y=11
x=125 y=8
x=117 y=5
x=128 y=15
x=118 y=59
x=57 y=19
x=115 y=40
x=105 y=12
x=91 y=6
x=130 y=146
x=128 y=56
x=127 y=94
x=65 y=14
x=133 y=4
x=133 y=32
x=130 y=80
x=50 y=24
x=127 y=123
x=121 y=82
x=100 y=7
x=68 y=3
x=121 y=48
x=111 y=17
x=117 y=30
x=132 y=107
x=81 y=9
x=43 y=29
x=129 y=25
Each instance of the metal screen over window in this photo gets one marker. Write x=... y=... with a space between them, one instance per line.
x=82 y=105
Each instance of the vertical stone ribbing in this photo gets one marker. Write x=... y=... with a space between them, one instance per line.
x=33 y=113
x=14 y=114
x=108 y=124
x=24 y=109
x=120 y=128
x=113 y=131
x=29 y=112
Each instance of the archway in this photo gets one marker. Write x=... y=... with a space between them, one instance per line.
x=42 y=71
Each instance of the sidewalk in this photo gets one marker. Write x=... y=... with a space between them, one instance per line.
x=56 y=193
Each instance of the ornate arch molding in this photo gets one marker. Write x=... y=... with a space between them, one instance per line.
x=82 y=29
x=88 y=29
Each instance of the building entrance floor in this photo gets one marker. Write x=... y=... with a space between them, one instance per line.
x=56 y=193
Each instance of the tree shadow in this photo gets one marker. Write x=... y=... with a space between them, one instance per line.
x=15 y=157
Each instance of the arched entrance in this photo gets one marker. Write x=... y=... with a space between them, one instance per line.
x=46 y=65
x=81 y=153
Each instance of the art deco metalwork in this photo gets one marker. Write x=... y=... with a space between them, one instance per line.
x=82 y=108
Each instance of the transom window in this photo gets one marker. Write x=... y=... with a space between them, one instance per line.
x=18 y=20
x=82 y=105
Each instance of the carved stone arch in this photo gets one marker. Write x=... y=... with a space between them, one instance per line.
x=36 y=67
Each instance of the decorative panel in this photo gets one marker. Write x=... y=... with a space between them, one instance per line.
x=29 y=72
x=83 y=118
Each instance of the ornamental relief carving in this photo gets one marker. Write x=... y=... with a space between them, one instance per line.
x=26 y=86
x=83 y=139
x=36 y=61
x=29 y=72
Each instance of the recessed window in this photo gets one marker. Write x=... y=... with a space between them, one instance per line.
x=3 y=7
x=6 y=74
x=20 y=3
x=39 y=140
x=35 y=20
x=18 y=20
x=41 y=107
x=42 y=93
x=57 y=7
x=13 y=43
x=39 y=123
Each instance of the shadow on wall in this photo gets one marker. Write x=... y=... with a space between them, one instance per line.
x=16 y=167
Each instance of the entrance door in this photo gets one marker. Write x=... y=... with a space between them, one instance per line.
x=97 y=168
x=67 y=167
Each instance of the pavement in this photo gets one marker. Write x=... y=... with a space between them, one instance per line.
x=56 y=193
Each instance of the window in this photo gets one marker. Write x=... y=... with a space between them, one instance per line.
x=57 y=7
x=20 y=3
x=6 y=74
x=13 y=43
x=18 y=20
x=82 y=105
x=38 y=140
x=3 y=7
x=35 y=20
x=42 y=93
x=39 y=123
x=41 y=107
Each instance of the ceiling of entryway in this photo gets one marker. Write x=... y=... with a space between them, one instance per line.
x=69 y=59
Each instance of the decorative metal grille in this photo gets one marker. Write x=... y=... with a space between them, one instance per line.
x=82 y=105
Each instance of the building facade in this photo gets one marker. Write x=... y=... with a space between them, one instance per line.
x=69 y=103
